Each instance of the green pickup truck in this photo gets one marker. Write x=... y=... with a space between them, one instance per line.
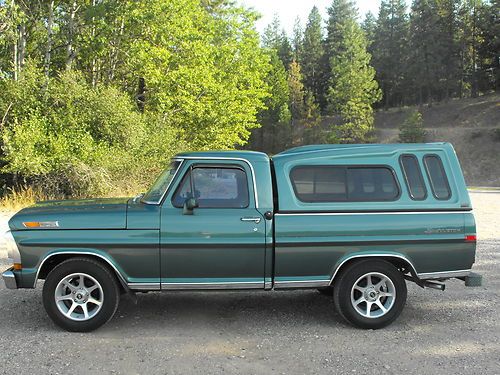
x=354 y=221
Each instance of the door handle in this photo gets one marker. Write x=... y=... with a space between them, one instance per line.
x=256 y=220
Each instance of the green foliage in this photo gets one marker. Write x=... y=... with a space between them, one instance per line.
x=412 y=129
x=275 y=119
x=390 y=38
x=98 y=96
x=77 y=140
x=352 y=87
x=312 y=54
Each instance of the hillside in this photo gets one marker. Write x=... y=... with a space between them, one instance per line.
x=471 y=125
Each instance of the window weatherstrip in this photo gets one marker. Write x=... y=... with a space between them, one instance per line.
x=256 y=197
x=159 y=202
x=431 y=181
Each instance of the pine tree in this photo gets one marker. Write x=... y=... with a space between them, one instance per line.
x=448 y=45
x=369 y=26
x=412 y=129
x=425 y=51
x=297 y=41
x=275 y=37
x=312 y=56
x=389 y=50
x=352 y=89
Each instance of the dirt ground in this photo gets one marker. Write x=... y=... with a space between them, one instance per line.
x=297 y=332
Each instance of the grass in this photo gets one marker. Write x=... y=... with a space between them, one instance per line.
x=17 y=199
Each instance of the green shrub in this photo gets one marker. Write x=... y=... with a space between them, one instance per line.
x=75 y=140
x=412 y=129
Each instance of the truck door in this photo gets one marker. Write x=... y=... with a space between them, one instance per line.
x=211 y=234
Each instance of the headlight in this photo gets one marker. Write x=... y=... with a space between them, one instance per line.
x=12 y=250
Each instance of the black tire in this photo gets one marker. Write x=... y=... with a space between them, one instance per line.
x=109 y=289
x=345 y=282
x=327 y=291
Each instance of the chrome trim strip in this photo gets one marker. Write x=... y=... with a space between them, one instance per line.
x=372 y=213
x=443 y=274
x=78 y=253
x=379 y=255
x=256 y=197
x=301 y=284
x=168 y=186
x=144 y=286
x=215 y=286
x=9 y=279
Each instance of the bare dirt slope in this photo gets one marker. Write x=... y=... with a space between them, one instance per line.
x=471 y=125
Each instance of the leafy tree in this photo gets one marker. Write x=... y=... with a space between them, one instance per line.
x=90 y=89
x=352 y=88
x=412 y=129
x=275 y=119
x=296 y=90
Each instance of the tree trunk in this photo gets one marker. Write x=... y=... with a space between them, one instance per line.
x=21 y=52
x=94 y=60
x=48 y=47
x=474 y=86
x=70 y=48
x=141 y=94
x=115 y=51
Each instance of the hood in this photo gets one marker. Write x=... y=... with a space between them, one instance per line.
x=106 y=213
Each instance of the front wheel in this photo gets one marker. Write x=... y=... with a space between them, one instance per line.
x=370 y=294
x=80 y=295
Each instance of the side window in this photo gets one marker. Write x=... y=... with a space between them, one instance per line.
x=319 y=184
x=214 y=187
x=437 y=177
x=413 y=177
x=371 y=184
x=338 y=184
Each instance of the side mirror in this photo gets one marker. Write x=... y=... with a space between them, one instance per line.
x=189 y=205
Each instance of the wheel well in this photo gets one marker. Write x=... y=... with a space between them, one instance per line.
x=57 y=259
x=403 y=265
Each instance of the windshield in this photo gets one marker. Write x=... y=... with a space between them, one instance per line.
x=155 y=193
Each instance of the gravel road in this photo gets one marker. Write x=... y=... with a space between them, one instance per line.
x=451 y=332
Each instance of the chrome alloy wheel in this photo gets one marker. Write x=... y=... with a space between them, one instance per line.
x=79 y=296
x=373 y=295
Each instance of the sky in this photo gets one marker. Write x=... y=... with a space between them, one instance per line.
x=288 y=10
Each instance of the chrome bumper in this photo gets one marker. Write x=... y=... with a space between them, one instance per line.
x=9 y=279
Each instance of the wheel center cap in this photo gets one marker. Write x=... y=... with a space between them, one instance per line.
x=80 y=295
x=371 y=295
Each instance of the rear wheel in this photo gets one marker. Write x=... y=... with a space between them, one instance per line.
x=80 y=294
x=370 y=294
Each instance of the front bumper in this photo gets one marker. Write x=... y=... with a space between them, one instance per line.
x=9 y=279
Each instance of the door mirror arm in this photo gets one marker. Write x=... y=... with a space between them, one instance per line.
x=189 y=206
